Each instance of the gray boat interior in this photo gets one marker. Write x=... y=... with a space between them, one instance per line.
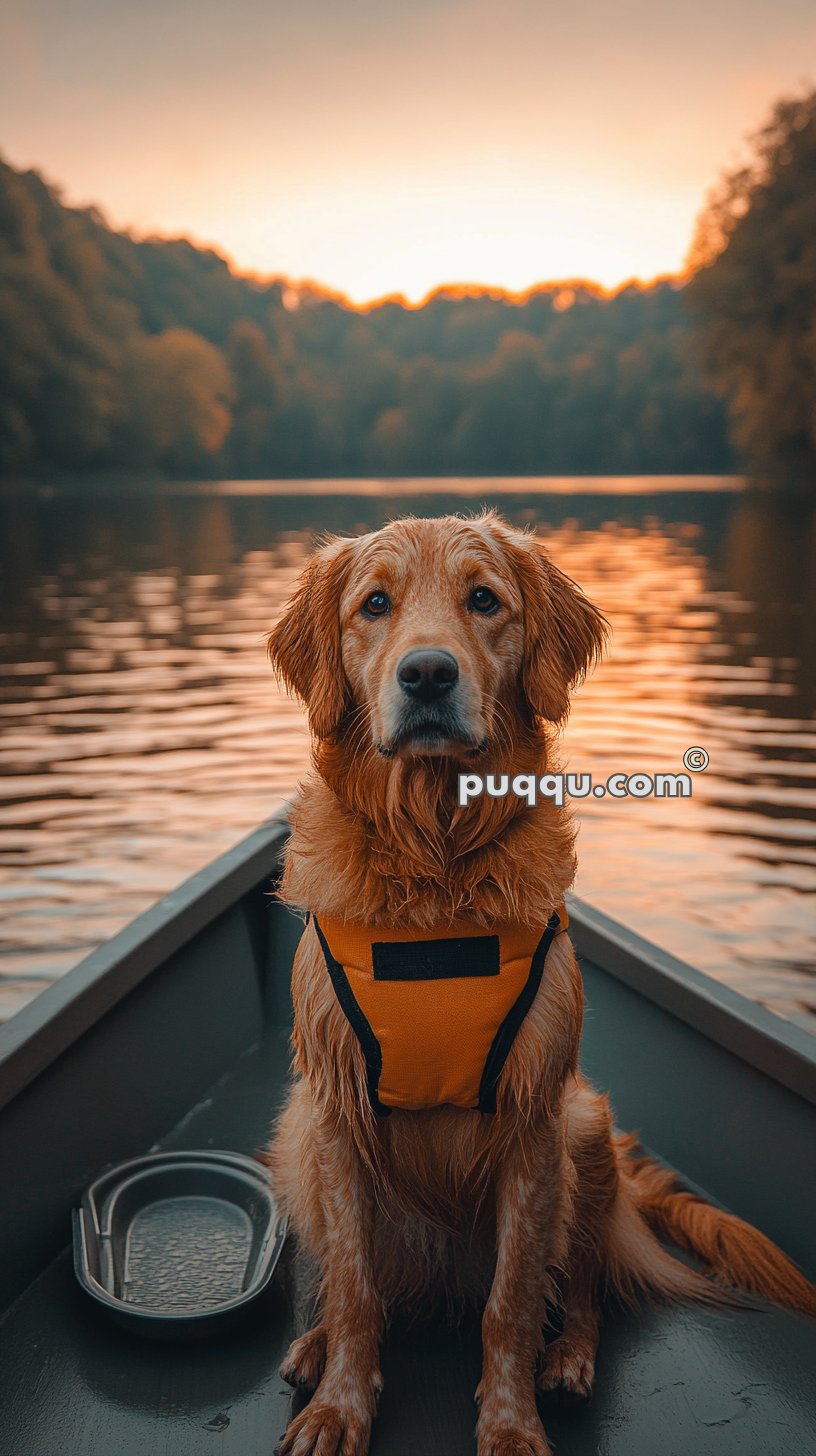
x=175 y=1035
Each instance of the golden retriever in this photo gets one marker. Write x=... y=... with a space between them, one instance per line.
x=421 y=651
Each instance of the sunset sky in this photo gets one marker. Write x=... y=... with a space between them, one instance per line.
x=393 y=145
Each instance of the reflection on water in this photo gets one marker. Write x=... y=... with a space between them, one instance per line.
x=143 y=733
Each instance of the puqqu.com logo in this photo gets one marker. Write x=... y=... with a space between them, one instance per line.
x=695 y=760
x=559 y=786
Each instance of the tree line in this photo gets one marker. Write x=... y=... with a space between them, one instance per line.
x=155 y=357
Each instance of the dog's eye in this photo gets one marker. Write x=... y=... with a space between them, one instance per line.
x=376 y=605
x=483 y=600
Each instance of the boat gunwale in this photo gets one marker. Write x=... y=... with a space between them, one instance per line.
x=64 y=1011
x=49 y=1024
x=782 y=1050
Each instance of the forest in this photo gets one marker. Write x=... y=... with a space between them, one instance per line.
x=153 y=357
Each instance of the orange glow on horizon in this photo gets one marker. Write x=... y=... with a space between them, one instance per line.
x=495 y=291
x=363 y=299
x=313 y=287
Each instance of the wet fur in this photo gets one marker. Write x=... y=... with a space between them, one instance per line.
x=540 y=1204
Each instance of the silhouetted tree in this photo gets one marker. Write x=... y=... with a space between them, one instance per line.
x=257 y=389
x=178 y=388
x=755 y=291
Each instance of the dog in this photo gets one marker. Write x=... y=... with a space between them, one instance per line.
x=421 y=650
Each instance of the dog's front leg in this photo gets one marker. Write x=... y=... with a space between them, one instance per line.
x=533 y=1194
x=337 y=1421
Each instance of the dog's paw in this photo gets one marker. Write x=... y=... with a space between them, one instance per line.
x=507 y=1428
x=323 y=1429
x=305 y=1359
x=568 y=1368
x=510 y=1441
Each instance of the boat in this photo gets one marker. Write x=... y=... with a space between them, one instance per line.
x=174 y=1036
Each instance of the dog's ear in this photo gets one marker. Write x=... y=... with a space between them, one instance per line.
x=304 y=647
x=564 y=634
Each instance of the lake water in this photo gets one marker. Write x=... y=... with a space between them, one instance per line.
x=142 y=731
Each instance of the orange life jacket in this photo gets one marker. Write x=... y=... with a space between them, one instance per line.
x=436 y=1017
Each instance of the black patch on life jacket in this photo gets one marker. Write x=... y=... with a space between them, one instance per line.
x=436 y=960
x=506 y=1034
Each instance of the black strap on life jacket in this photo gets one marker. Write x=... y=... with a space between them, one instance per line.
x=358 y=1022
x=506 y=1034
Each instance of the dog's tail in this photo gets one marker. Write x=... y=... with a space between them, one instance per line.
x=736 y=1257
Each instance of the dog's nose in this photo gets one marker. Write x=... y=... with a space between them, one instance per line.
x=427 y=674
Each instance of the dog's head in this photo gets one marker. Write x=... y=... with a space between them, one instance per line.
x=438 y=634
